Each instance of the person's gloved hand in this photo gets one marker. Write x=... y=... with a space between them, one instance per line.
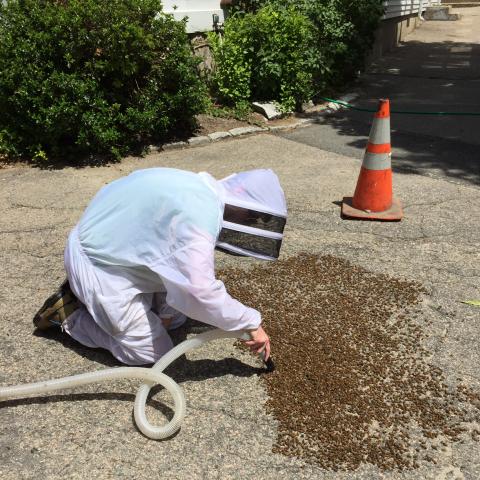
x=260 y=342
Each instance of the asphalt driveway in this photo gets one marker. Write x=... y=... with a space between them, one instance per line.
x=228 y=433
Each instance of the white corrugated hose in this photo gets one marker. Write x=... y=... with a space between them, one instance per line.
x=150 y=376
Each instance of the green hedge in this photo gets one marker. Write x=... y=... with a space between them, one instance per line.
x=91 y=77
x=304 y=45
x=265 y=56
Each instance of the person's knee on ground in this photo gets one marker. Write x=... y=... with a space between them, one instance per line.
x=136 y=348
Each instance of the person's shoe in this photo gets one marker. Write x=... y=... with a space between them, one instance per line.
x=56 y=308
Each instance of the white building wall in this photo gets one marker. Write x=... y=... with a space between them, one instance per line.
x=400 y=8
x=199 y=12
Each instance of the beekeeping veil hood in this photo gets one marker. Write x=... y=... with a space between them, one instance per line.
x=254 y=216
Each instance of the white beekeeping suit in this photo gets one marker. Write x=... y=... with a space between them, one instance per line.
x=144 y=247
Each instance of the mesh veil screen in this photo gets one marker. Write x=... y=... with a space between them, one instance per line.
x=253 y=243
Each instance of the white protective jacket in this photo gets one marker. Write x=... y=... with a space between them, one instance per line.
x=156 y=230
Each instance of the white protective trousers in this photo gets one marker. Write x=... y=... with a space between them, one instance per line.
x=143 y=339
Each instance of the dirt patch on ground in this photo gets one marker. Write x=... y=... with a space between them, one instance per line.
x=210 y=124
x=353 y=384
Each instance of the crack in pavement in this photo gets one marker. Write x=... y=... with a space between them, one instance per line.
x=397 y=238
x=429 y=204
x=438 y=309
x=14 y=205
x=451 y=272
x=33 y=230
x=469 y=375
x=20 y=205
x=285 y=466
x=30 y=254
x=303 y=210
x=230 y=415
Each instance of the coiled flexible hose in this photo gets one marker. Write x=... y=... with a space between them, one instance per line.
x=151 y=376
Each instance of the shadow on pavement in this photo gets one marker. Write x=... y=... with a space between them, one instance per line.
x=182 y=370
x=451 y=60
x=97 y=355
x=414 y=153
x=85 y=397
x=420 y=77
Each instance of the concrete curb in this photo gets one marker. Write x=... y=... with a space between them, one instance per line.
x=250 y=130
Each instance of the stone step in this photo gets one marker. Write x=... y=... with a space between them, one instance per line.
x=461 y=3
x=440 y=13
x=451 y=2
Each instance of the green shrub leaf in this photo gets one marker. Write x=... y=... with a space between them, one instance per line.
x=85 y=77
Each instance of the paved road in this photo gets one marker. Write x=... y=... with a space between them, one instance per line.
x=227 y=433
x=436 y=69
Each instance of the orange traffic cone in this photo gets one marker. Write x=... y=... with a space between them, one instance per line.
x=373 y=199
